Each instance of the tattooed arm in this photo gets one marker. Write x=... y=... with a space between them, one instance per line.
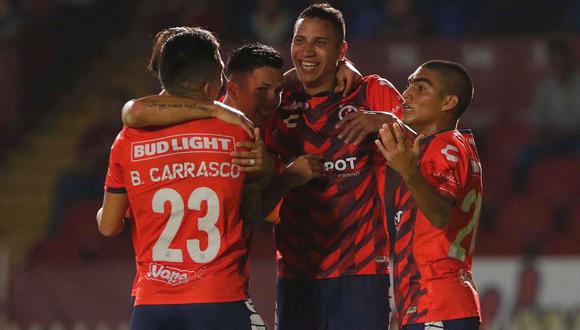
x=165 y=110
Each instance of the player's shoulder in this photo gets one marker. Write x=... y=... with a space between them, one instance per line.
x=376 y=81
x=123 y=135
x=220 y=127
x=451 y=145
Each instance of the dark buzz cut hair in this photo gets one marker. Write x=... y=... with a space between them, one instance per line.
x=326 y=12
x=252 y=56
x=456 y=81
x=188 y=60
x=160 y=39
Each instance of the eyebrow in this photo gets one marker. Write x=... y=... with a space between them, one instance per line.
x=421 y=79
x=315 y=38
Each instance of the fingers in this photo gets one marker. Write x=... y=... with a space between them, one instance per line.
x=244 y=154
x=387 y=138
x=417 y=143
x=250 y=160
x=339 y=86
x=344 y=121
x=356 y=133
x=247 y=145
x=401 y=140
x=382 y=150
x=248 y=129
x=257 y=135
x=316 y=167
x=347 y=87
x=347 y=123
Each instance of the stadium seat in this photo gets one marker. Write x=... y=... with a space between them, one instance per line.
x=522 y=224
x=556 y=180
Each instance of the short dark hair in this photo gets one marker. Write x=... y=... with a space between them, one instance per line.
x=189 y=59
x=252 y=56
x=326 y=12
x=456 y=81
x=158 y=42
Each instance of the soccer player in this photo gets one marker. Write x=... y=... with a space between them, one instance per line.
x=184 y=193
x=254 y=85
x=332 y=242
x=438 y=203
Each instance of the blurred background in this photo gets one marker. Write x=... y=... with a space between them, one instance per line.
x=68 y=66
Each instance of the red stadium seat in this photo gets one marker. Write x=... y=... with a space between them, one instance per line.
x=522 y=224
x=501 y=145
x=556 y=180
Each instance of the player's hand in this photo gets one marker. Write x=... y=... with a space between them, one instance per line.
x=256 y=159
x=400 y=156
x=232 y=116
x=356 y=126
x=304 y=169
x=347 y=78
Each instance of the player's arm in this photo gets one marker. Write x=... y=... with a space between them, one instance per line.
x=357 y=126
x=252 y=205
x=403 y=159
x=110 y=215
x=347 y=77
x=384 y=101
x=166 y=110
x=262 y=194
x=303 y=169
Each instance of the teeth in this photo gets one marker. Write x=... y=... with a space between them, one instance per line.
x=309 y=65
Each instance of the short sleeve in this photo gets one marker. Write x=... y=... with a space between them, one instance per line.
x=442 y=166
x=114 y=182
x=383 y=96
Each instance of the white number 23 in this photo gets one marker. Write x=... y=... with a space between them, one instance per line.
x=161 y=250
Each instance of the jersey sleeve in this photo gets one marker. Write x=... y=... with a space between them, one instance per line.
x=115 y=182
x=442 y=166
x=383 y=96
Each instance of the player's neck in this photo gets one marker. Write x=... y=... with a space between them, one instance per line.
x=197 y=95
x=317 y=87
x=436 y=127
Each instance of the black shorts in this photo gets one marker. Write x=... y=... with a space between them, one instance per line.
x=348 y=302
x=468 y=323
x=220 y=316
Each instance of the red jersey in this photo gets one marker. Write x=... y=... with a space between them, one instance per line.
x=185 y=195
x=334 y=226
x=432 y=267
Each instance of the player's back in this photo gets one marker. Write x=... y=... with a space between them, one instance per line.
x=185 y=195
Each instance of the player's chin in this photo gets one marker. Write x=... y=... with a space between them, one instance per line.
x=307 y=75
x=407 y=118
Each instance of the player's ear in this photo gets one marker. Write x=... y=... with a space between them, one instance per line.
x=208 y=91
x=450 y=102
x=342 y=50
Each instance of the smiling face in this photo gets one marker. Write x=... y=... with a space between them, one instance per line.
x=315 y=53
x=258 y=92
x=425 y=103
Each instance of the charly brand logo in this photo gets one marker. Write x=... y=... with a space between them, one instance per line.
x=345 y=110
x=172 y=276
